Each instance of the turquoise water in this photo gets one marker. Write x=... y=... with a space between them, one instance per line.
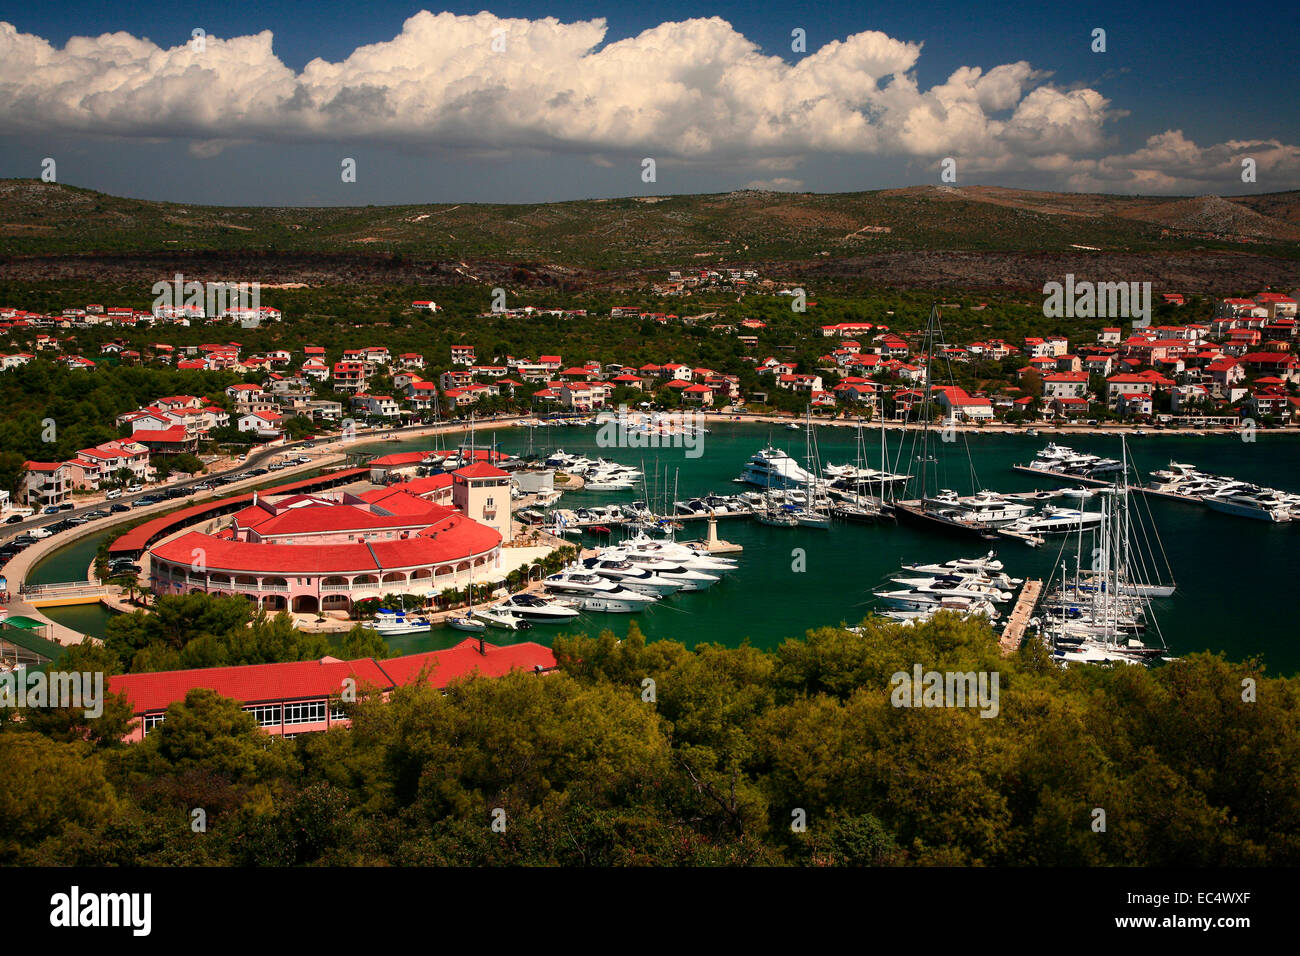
x=1233 y=574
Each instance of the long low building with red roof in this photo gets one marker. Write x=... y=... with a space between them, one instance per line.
x=308 y=696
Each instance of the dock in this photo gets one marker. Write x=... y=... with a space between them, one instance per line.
x=1062 y=476
x=1014 y=632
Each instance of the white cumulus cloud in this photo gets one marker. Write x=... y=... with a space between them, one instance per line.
x=695 y=91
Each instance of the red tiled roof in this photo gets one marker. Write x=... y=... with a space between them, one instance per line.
x=250 y=683
x=464 y=659
x=481 y=470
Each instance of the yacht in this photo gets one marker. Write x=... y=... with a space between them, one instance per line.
x=689 y=579
x=1057 y=521
x=693 y=558
x=985 y=564
x=534 y=607
x=1262 y=504
x=634 y=576
x=468 y=623
x=773 y=468
x=936 y=591
x=499 y=618
x=987 y=508
x=395 y=623
x=591 y=592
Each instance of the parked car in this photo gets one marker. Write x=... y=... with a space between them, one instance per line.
x=144 y=502
x=51 y=510
x=14 y=519
x=134 y=488
x=118 y=508
x=67 y=506
x=95 y=515
x=112 y=493
x=40 y=533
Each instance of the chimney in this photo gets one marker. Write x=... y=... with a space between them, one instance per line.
x=482 y=648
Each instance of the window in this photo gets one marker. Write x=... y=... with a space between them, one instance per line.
x=266 y=715
x=305 y=712
x=337 y=711
x=151 y=721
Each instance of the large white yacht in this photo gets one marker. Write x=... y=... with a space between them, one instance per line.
x=1263 y=504
x=591 y=592
x=773 y=468
x=988 y=508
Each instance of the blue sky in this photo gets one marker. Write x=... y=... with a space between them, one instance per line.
x=1180 y=96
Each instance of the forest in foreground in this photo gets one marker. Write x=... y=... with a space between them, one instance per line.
x=639 y=753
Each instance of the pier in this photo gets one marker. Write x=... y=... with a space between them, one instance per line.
x=1014 y=632
x=1063 y=476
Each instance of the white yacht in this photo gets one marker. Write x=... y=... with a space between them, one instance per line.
x=500 y=618
x=634 y=576
x=591 y=592
x=986 y=563
x=674 y=551
x=987 y=508
x=1057 y=521
x=534 y=607
x=396 y=623
x=773 y=468
x=688 y=578
x=1262 y=504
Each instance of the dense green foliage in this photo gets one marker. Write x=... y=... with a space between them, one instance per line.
x=200 y=630
x=580 y=768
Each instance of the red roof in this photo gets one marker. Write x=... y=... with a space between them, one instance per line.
x=464 y=659
x=250 y=683
x=305 y=680
x=174 y=434
x=481 y=470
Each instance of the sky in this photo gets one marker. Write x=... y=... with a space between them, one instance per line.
x=528 y=102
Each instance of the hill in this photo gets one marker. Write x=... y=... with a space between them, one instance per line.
x=53 y=228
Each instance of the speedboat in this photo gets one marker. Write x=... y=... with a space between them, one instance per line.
x=395 y=623
x=468 y=623
x=500 y=618
x=535 y=608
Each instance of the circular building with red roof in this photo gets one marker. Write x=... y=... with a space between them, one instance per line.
x=323 y=552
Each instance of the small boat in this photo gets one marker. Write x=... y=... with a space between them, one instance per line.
x=395 y=623
x=501 y=618
x=599 y=529
x=468 y=624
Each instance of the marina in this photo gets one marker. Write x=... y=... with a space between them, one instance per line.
x=765 y=602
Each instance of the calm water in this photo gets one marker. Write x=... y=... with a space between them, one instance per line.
x=1233 y=574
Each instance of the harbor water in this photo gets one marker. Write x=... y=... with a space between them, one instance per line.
x=1233 y=574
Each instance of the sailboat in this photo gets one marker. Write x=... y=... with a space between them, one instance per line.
x=946 y=510
x=810 y=515
x=1106 y=615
